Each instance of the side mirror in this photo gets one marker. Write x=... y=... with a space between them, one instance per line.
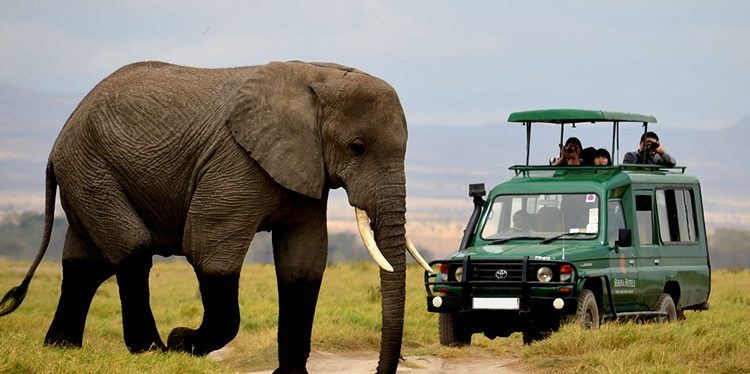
x=624 y=238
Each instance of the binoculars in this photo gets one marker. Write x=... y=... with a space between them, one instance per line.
x=653 y=145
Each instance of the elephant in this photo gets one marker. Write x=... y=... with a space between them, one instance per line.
x=162 y=159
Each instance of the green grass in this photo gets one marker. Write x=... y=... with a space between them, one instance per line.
x=348 y=319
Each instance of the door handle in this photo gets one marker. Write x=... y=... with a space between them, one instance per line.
x=656 y=262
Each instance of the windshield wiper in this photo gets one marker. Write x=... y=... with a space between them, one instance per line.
x=503 y=240
x=566 y=234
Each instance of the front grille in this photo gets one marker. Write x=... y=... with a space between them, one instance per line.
x=494 y=271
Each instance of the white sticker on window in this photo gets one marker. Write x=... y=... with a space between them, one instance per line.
x=594 y=215
x=591 y=198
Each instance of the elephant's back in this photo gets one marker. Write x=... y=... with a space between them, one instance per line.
x=148 y=111
x=147 y=126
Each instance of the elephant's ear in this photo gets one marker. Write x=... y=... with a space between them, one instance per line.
x=274 y=116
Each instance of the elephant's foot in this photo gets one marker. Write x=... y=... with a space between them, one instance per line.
x=181 y=339
x=58 y=339
x=287 y=370
x=197 y=342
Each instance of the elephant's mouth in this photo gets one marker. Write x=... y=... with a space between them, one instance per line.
x=363 y=225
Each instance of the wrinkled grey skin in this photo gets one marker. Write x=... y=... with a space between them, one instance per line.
x=172 y=160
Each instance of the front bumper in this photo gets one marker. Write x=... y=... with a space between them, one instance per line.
x=519 y=291
x=543 y=305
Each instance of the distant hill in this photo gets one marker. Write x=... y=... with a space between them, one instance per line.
x=441 y=162
x=457 y=156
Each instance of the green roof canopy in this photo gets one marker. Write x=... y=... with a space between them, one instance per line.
x=561 y=116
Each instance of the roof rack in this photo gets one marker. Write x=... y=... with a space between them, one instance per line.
x=562 y=116
x=525 y=169
x=573 y=116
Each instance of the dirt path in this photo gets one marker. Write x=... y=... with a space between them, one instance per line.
x=366 y=362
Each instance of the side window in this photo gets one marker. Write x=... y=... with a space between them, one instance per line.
x=675 y=211
x=644 y=217
x=615 y=220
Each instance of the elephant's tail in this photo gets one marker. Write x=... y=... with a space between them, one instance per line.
x=15 y=296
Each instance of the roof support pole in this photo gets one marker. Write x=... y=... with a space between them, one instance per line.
x=643 y=152
x=615 y=142
x=528 y=141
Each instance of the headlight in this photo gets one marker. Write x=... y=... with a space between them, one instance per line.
x=459 y=273
x=544 y=274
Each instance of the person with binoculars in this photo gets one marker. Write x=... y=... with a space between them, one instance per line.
x=570 y=154
x=650 y=152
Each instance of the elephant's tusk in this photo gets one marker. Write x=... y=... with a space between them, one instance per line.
x=417 y=257
x=363 y=225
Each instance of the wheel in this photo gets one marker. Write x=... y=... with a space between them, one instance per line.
x=666 y=304
x=587 y=314
x=453 y=332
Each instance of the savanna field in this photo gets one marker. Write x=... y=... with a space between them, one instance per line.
x=348 y=319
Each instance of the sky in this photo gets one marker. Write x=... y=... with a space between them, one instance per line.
x=453 y=63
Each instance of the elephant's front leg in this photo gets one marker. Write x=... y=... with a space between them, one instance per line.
x=221 y=316
x=300 y=254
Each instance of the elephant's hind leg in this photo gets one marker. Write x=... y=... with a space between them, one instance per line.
x=81 y=278
x=138 y=325
x=221 y=318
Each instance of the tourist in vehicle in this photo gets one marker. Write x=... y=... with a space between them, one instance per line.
x=650 y=152
x=521 y=220
x=587 y=156
x=570 y=154
x=602 y=157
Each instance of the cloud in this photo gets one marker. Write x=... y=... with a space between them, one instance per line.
x=678 y=60
x=16 y=156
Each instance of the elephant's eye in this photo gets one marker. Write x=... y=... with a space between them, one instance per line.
x=358 y=147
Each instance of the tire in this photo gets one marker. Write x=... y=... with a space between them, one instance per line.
x=587 y=314
x=666 y=304
x=453 y=332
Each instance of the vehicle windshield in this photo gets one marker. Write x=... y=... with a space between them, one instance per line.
x=542 y=216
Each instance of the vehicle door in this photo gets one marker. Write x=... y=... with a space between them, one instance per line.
x=622 y=259
x=648 y=254
x=684 y=258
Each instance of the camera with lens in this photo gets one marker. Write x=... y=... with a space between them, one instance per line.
x=570 y=149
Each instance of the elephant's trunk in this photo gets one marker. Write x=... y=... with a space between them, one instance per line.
x=391 y=241
x=388 y=224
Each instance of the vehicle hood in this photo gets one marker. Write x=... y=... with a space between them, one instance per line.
x=569 y=251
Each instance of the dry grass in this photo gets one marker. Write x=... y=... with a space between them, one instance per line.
x=348 y=319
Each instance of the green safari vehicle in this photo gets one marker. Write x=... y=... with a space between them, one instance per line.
x=580 y=243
